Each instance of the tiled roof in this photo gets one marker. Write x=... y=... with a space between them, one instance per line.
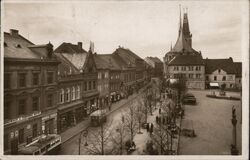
x=155 y=59
x=128 y=56
x=69 y=48
x=66 y=65
x=74 y=54
x=238 y=68
x=106 y=61
x=187 y=60
x=225 y=64
x=12 y=50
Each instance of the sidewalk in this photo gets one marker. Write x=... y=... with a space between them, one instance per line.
x=74 y=131
x=141 y=139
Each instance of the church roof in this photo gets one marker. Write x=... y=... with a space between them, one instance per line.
x=187 y=60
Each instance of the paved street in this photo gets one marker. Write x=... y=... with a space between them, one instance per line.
x=212 y=124
x=70 y=147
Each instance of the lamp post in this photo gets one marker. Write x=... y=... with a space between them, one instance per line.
x=234 y=150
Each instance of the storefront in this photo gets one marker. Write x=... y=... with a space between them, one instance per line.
x=49 y=124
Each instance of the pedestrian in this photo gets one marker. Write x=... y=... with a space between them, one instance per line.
x=157 y=119
x=151 y=128
x=147 y=127
x=159 y=110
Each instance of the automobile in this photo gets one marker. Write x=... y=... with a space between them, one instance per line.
x=189 y=98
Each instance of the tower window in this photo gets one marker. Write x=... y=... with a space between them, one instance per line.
x=18 y=46
x=5 y=44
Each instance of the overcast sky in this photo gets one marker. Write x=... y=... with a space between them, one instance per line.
x=145 y=27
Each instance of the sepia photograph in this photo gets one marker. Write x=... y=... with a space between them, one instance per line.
x=133 y=79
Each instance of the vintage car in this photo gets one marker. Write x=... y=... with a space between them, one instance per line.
x=189 y=98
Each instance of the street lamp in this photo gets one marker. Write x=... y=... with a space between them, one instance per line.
x=234 y=150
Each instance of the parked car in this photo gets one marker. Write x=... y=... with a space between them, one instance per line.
x=189 y=98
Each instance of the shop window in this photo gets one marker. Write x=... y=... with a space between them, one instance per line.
x=21 y=135
x=22 y=79
x=35 y=79
x=7 y=80
x=21 y=108
x=49 y=100
x=73 y=93
x=62 y=96
x=35 y=103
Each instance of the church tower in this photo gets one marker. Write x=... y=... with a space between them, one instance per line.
x=186 y=31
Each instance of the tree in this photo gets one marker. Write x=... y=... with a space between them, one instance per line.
x=139 y=113
x=130 y=121
x=99 y=140
x=118 y=138
x=145 y=105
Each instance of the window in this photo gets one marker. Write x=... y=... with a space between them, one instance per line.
x=191 y=68
x=197 y=68
x=85 y=86
x=198 y=75
x=73 y=96
x=35 y=103
x=21 y=135
x=215 y=78
x=67 y=95
x=21 y=109
x=191 y=76
x=183 y=68
x=89 y=86
x=22 y=79
x=7 y=80
x=6 y=109
x=219 y=70
x=106 y=74
x=62 y=96
x=34 y=131
x=231 y=85
x=230 y=77
x=94 y=85
x=35 y=79
x=103 y=75
x=223 y=78
x=206 y=78
x=78 y=92
x=239 y=80
x=50 y=77
x=49 y=100
x=99 y=75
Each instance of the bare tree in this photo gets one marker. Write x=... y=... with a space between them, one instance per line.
x=130 y=121
x=139 y=113
x=99 y=140
x=161 y=138
x=145 y=106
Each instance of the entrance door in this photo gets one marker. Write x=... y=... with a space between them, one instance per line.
x=14 y=147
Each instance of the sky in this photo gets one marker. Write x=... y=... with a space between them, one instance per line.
x=146 y=27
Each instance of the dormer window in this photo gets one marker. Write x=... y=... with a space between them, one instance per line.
x=219 y=70
x=5 y=44
x=18 y=46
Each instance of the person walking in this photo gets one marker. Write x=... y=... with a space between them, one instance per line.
x=159 y=110
x=147 y=127
x=152 y=128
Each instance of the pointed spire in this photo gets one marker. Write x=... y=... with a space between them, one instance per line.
x=180 y=28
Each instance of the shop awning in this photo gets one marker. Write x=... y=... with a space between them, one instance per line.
x=214 y=84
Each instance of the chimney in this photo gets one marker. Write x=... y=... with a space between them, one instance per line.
x=79 y=45
x=13 y=32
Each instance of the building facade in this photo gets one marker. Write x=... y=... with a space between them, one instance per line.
x=156 y=64
x=182 y=61
x=30 y=87
x=78 y=95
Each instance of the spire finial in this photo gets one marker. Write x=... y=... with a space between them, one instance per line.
x=180 y=20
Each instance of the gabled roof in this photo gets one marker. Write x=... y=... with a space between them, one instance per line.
x=154 y=59
x=72 y=53
x=12 y=50
x=127 y=56
x=225 y=64
x=106 y=61
x=66 y=65
x=238 y=69
x=187 y=60
x=69 y=48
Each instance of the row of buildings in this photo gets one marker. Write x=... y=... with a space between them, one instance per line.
x=47 y=91
x=182 y=61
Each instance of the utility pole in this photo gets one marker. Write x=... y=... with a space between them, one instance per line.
x=234 y=150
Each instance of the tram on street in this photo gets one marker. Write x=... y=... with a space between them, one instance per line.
x=98 y=117
x=44 y=145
